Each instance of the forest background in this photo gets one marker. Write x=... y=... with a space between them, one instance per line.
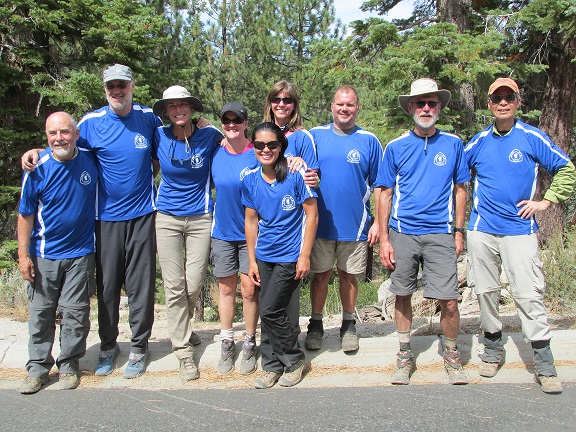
x=53 y=53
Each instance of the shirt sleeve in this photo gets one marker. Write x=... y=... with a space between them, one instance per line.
x=307 y=149
x=562 y=184
x=375 y=161
x=386 y=171
x=462 y=174
x=246 y=196
x=29 y=195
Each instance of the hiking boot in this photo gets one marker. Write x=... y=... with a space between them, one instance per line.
x=453 y=366
x=68 y=381
x=107 y=361
x=314 y=335
x=188 y=369
x=490 y=369
x=226 y=362
x=195 y=339
x=267 y=380
x=32 y=385
x=406 y=367
x=349 y=337
x=549 y=384
x=137 y=364
x=290 y=379
x=248 y=363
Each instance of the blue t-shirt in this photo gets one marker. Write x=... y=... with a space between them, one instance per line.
x=348 y=168
x=423 y=181
x=301 y=144
x=282 y=219
x=506 y=173
x=228 y=171
x=62 y=196
x=185 y=183
x=123 y=149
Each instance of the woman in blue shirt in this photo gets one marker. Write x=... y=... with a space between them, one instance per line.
x=280 y=226
x=184 y=218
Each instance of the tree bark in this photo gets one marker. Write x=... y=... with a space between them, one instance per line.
x=557 y=122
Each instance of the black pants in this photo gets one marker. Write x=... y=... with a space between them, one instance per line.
x=279 y=343
x=126 y=255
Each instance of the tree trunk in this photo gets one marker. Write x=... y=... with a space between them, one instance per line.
x=557 y=122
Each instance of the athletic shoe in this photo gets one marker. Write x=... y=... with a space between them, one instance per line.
x=290 y=379
x=349 y=336
x=267 y=380
x=248 y=363
x=32 y=385
x=549 y=384
x=406 y=367
x=188 y=369
x=226 y=362
x=69 y=381
x=453 y=366
x=107 y=361
x=137 y=364
x=314 y=336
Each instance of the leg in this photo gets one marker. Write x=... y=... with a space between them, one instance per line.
x=170 y=238
x=249 y=303
x=227 y=300
x=403 y=313
x=348 y=287
x=141 y=279
x=74 y=306
x=43 y=295
x=110 y=269
x=275 y=293
x=319 y=290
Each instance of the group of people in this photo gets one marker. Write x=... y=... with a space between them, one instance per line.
x=289 y=202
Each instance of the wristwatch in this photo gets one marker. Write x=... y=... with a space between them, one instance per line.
x=460 y=230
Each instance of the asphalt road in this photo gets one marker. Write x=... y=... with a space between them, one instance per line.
x=486 y=407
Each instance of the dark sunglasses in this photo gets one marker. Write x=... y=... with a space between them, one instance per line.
x=121 y=86
x=496 y=99
x=272 y=145
x=235 y=120
x=422 y=104
x=172 y=151
x=287 y=101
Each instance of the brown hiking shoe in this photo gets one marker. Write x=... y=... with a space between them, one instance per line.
x=290 y=379
x=406 y=367
x=549 y=384
x=453 y=366
x=267 y=380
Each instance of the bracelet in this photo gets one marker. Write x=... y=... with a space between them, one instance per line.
x=460 y=230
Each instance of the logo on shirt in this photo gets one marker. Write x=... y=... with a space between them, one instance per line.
x=140 y=141
x=353 y=156
x=288 y=203
x=85 y=178
x=197 y=161
x=515 y=156
x=440 y=159
x=243 y=173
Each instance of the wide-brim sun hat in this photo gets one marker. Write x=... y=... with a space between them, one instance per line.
x=424 y=86
x=176 y=93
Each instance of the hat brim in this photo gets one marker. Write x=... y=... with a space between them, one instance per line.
x=443 y=95
x=158 y=107
x=117 y=77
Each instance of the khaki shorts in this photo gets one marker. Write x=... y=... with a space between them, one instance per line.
x=350 y=256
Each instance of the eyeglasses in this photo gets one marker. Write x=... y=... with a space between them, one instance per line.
x=422 y=104
x=272 y=145
x=496 y=99
x=121 y=86
x=286 y=100
x=235 y=120
x=172 y=151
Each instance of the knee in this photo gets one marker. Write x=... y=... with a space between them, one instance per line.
x=321 y=279
x=450 y=307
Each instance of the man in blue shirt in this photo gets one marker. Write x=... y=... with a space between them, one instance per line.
x=56 y=253
x=348 y=158
x=421 y=173
x=505 y=158
x=120 y=135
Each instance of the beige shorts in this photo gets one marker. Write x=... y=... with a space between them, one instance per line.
x=350 y=256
